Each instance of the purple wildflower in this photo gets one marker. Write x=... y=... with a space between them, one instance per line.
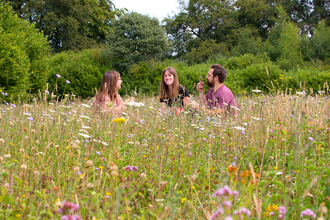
x=98 y=153
x=226 y=204
x=141 y=122
x=30 y=118
x=189 y=155
x=291 y=115
x=67 y=81
x=79 y=173
x=3 y=93
x=131 y=168
x=224 y=191
x=50 y=118
x=46 y=91
x=144 y=140
x=304 y=92
x=272 y=213
x=70 y=217
x=234 y=158
x=6 y=94
x=310 y=138
x=228 y=218
x=243 y=132
x=244 y=211
x=7 y=103
x=69 y=113
x=217 y=213
x=307 y=212
x=13 y=105
x=68 y=207
x=58 y=75
x=135 y=93
x=234 y=164
x=160 y=113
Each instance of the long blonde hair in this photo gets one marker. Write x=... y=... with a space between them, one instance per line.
x=164 y=90
x=108 y=87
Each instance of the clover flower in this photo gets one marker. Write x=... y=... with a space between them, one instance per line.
x=67 y=207
x=70 y=217
x=244 y=211
x=218 y=212
x=131 y=168
x=307 y=212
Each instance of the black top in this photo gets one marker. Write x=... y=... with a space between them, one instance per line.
x=177 y=101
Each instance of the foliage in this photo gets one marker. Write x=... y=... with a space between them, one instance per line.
x=289 y=46
x=135 y=38
x=23 y=52
x=71 y=24
x=159 y=164
x=83 y=71
x=321 y=42
x=248 y=43
x=198 y=22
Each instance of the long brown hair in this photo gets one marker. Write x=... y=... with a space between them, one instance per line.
x=108 y=87
x=164 y=90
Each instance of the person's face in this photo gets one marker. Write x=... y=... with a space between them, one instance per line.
x=119 y=81
x=168 y=78
x=209 y=78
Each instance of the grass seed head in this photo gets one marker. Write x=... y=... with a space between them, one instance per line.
x=23 y=167
x=2 y=140
x=89 y=163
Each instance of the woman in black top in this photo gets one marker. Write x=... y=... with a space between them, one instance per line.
x=171 y=92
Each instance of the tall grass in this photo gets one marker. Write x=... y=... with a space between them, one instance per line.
x=159 y=164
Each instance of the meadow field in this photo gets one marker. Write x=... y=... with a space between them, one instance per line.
x=63 y=160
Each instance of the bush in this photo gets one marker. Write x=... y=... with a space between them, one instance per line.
x=81 y=69
x=245 y=60
x=23 y=56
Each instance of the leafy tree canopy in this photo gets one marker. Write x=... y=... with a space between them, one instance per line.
x=135 y=38
x=23 y=56
x=69 y=24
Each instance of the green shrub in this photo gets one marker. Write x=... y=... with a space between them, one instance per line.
x=245 y=60
x=81 y=69
x=23 y=56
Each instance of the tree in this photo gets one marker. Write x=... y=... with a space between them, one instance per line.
x=200 y=21
x=23 y=56
x=321 y=42
x=255 y=14
x=135 y=38
x=69 y=24
x=289 y=43
x=249 y=42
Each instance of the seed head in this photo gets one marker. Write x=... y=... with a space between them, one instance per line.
x=114 y=168
x=194 y=177
x=89 y=163
x=76 y=169
x=114 y=173
x=143 y=175
x=37 y=142
x=23 y=167
x=36 y=173
x=90 y=185
x=2 y=140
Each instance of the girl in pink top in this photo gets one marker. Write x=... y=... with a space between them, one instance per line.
x=108 y=97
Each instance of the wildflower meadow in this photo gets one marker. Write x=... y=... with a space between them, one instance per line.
x=64 y=160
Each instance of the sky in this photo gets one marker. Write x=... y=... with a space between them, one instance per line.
x=154 y=8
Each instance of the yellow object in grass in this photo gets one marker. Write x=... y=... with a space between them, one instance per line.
x=116 y=120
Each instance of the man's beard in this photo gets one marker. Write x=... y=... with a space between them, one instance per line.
x=209 y=83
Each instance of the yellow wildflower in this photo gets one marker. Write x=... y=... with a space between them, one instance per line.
x=183 y=199
x=119 y=120
x=275 y=168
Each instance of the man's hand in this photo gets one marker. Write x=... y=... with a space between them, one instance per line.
x=200 y=87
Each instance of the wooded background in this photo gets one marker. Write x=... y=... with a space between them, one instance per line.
x=269 y=45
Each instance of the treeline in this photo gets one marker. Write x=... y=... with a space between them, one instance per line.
x=65 y=47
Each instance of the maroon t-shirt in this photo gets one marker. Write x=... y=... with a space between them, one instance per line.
x=221 y=96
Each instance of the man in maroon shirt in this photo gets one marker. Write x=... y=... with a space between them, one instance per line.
x=218 y=96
